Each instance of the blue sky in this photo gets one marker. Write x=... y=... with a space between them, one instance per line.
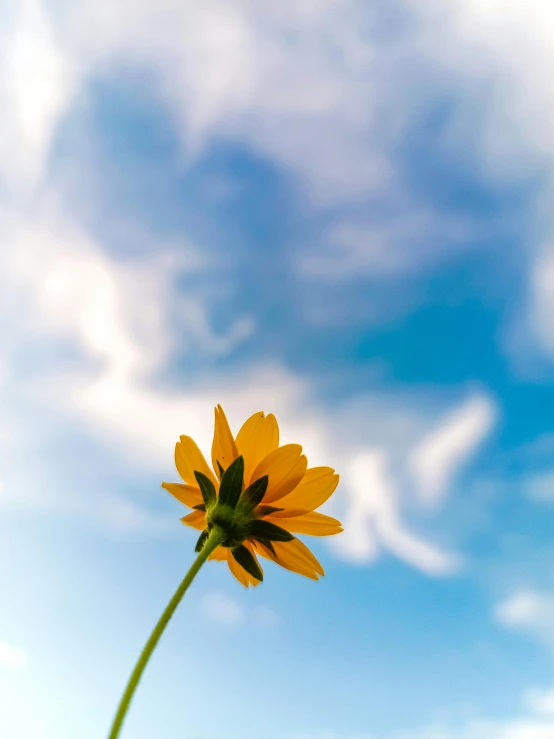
x=335 y=213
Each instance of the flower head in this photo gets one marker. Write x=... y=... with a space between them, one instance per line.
x=259 y=494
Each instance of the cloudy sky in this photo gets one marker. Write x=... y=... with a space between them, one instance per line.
x=339 y=212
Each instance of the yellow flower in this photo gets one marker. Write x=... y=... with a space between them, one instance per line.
x=259 y=493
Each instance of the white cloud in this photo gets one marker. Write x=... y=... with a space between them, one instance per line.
x=531 y=611
x=377 y=480
x=37 y=81
x=118 y=311
x=434 y=462
x=534 y=721
x=231 y=70
x=309 y=85
x=222 y=609
x=306 y=78
x=121 y=315
x=503 y=104
x=11 y=657
x=475 y=48
x=540 y=700
x=373 y=520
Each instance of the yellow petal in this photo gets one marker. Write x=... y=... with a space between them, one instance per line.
x=224 y=449
x=258 y=436
x=220 y=554
x=196 y=519
x=302 y=552
x=252 y=580
x=189 y=458
x=285 y=468
x=187 y=494
x=315 y=524
x=294 y=556
x=238 y=571
x=317 y=485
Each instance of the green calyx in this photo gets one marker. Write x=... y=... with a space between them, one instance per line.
x=237 y=512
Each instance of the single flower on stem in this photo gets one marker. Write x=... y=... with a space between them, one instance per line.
x=250 y=505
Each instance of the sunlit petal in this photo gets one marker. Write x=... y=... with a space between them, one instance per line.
x=293 y=556
x=317 y=485
x=186 y=494
x=220 y=554
x=285 y=468
x=258 y=436
x=315 y=524
x=189 y=458
x=196 y=519
x=224 y=449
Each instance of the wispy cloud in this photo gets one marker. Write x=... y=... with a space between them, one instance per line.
x=435 y=461
x=373 y=520
x=529 y=611
x=532 y=721
x=540 y=700
x=37 y=81
x=375 y=482
x=220 y=607
x=122 y=317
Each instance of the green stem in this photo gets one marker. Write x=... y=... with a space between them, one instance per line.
x=214 y=540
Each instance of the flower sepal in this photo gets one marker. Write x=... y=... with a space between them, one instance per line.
x=235 y=511
x=223 y=510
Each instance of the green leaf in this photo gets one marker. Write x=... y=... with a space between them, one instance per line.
x=267 y=530
x=201 y=540
x=231 y=483
x=206 y=488
x=246 y=559
x=266 y=544
x=220 y=468
x=265 y=510
x=199 y=507
x=255 y=492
